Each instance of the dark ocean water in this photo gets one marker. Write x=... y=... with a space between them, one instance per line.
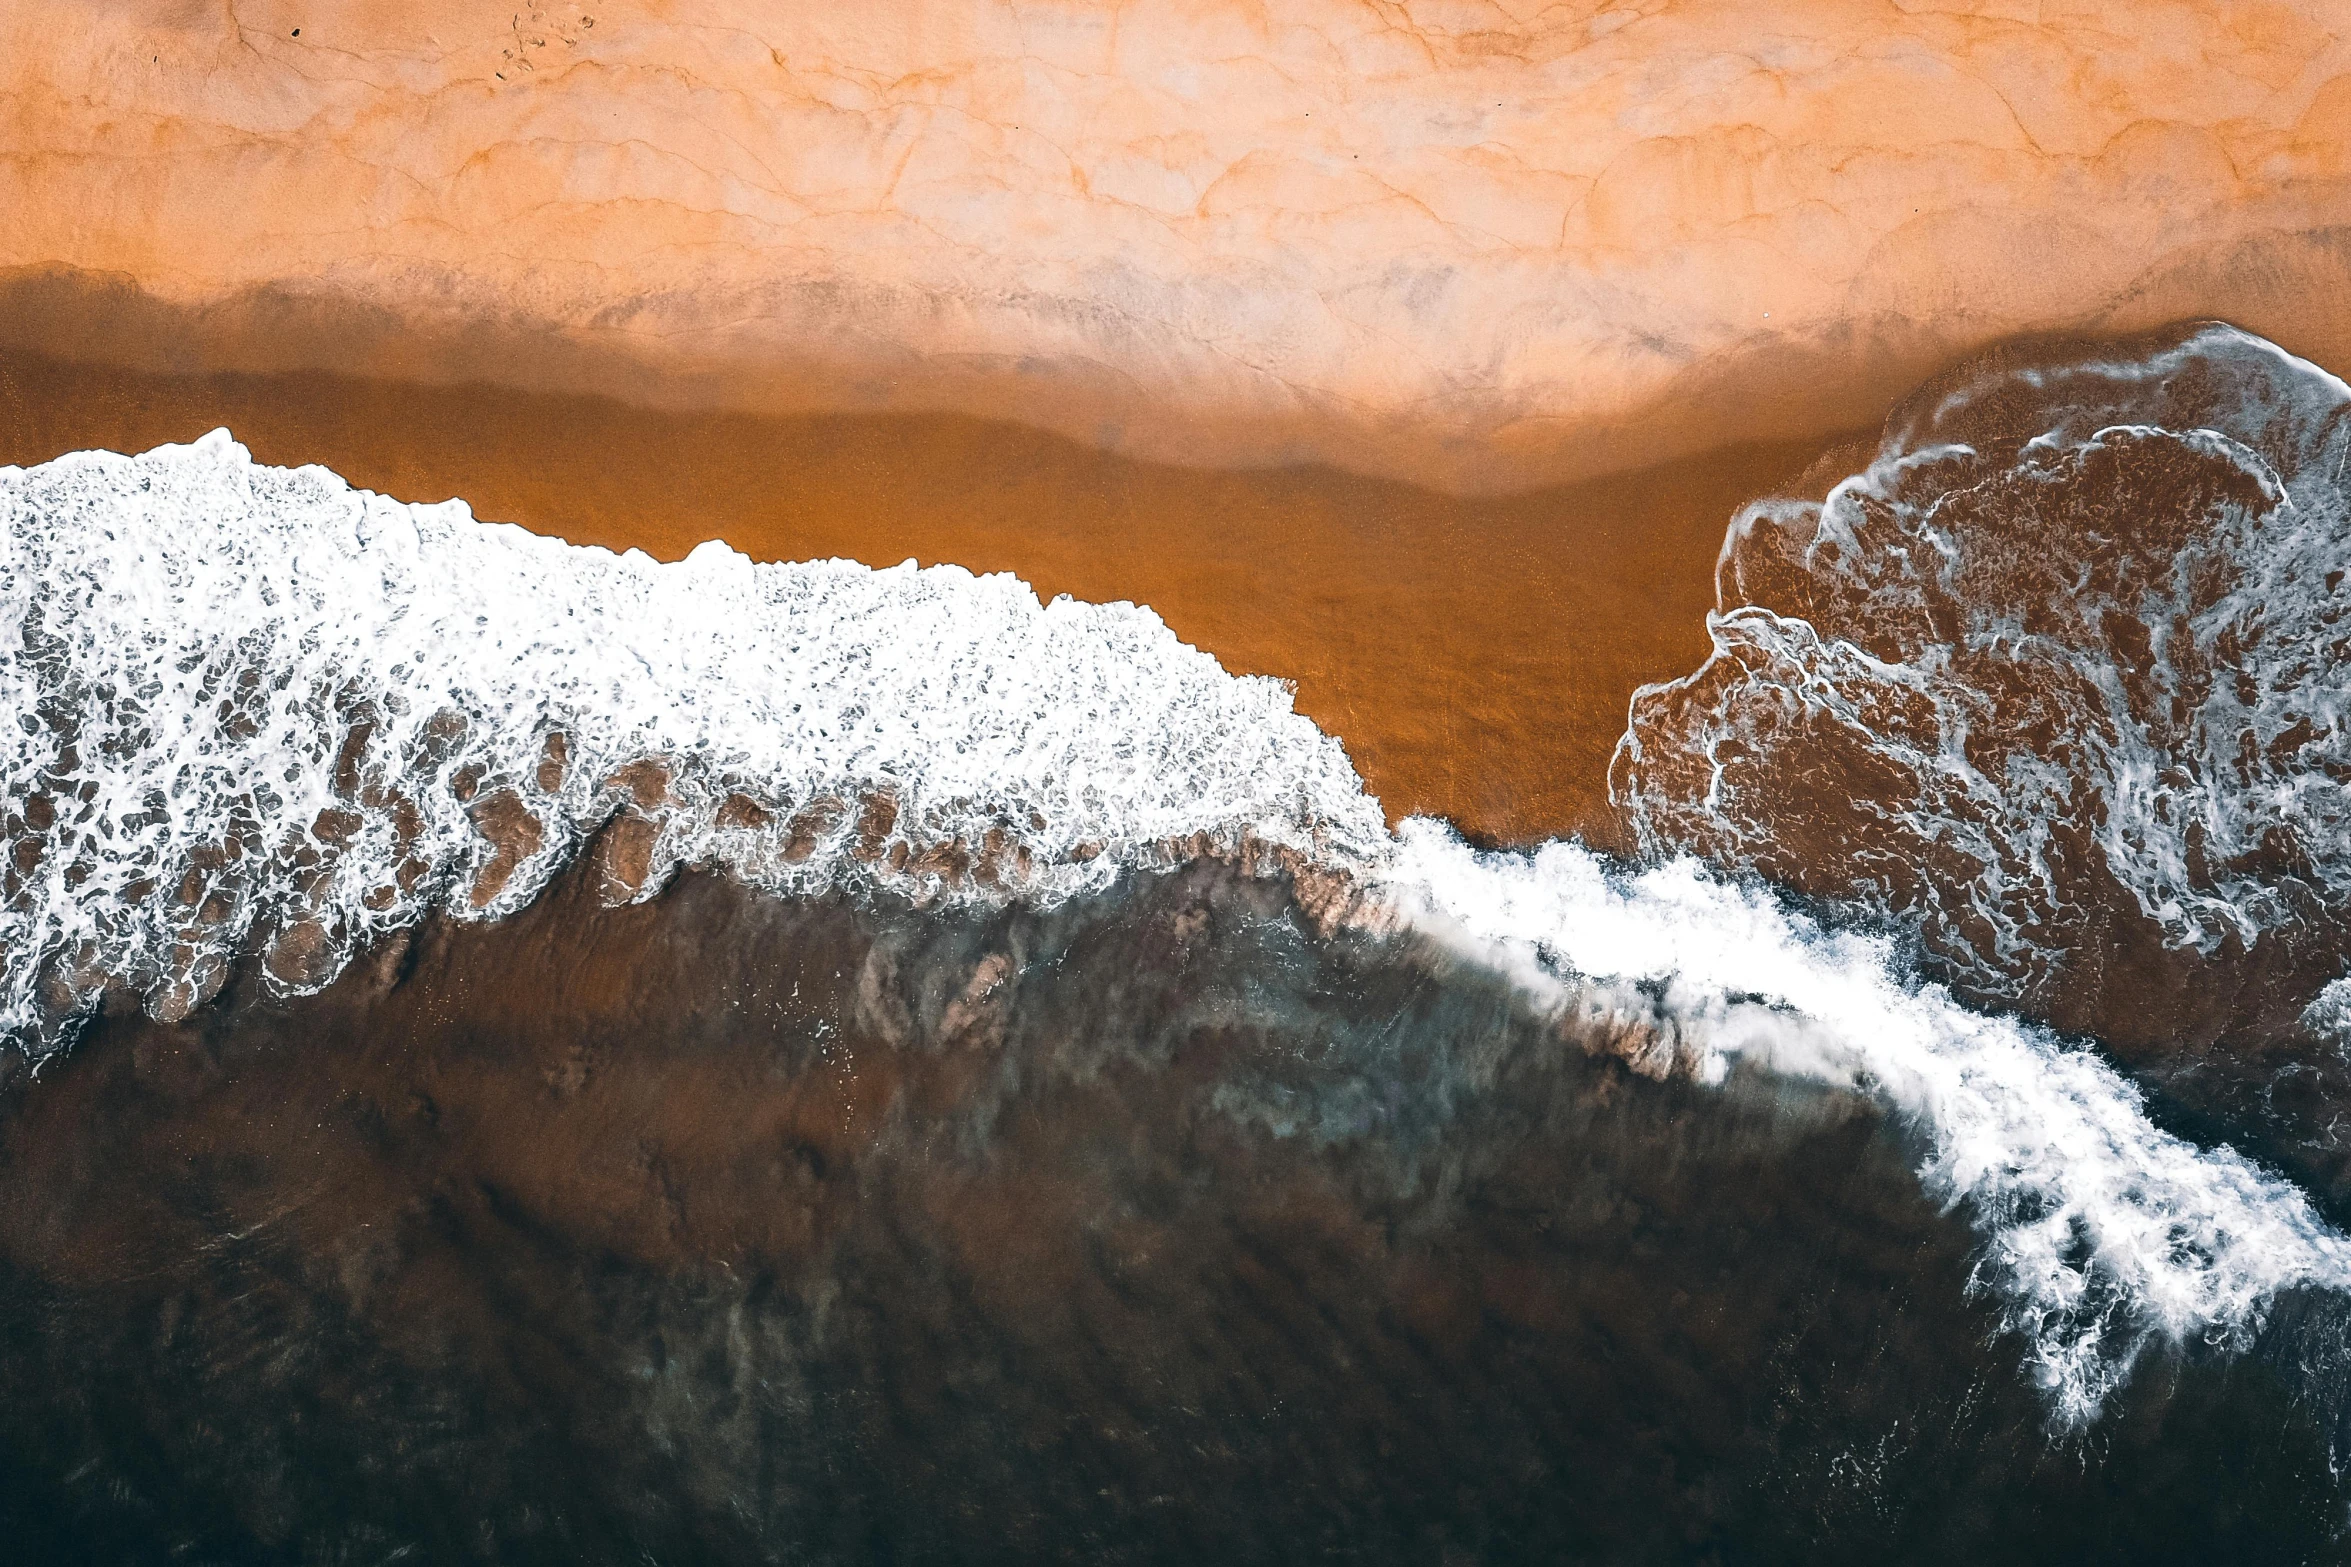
x=520 y=1054
x=1154 y=1228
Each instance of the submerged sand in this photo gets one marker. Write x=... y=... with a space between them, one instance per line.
x=1475 y=654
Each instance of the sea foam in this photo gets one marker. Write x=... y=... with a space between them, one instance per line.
x=251 y=710
x=250 y=701
x=2067 y=665
x=2104 y=1235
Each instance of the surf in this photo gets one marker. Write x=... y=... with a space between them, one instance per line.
x=261 y=715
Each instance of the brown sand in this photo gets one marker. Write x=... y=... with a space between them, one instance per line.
x=1477 y=246
x=1474 y=654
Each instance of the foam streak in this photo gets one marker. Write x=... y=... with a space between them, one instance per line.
x=2105 y=1234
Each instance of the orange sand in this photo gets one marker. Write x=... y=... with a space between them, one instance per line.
x=1475 y=244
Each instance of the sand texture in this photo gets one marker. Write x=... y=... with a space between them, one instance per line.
x=1479 y=245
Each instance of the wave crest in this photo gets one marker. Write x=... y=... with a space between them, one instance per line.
x=255 y=704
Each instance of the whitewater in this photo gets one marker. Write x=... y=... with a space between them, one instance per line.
x=2073 y=652
x=253 y=711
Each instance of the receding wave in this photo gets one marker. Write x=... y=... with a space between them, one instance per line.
x=259 y=714
x=2059 y=686
x=2062 y=678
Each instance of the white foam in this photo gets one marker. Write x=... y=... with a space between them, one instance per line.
x=2104 y=1234
x=2329 y=1015
x=209 y=631
x=198 y=653
x=2096 y=614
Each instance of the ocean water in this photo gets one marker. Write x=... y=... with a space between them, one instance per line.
x=525 y=1053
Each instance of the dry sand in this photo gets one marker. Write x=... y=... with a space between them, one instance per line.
x=1478 y=245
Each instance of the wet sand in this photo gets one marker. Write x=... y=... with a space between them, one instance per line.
x=1475 y=654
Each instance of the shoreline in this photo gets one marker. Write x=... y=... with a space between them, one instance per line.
x=1401 y=615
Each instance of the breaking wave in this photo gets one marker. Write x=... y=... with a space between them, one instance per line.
x=252 y=702
x=257 y=714
x=2104 y=1235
